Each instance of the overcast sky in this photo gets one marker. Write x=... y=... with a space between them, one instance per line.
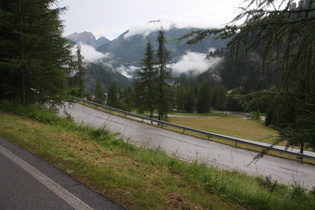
x=110 y=18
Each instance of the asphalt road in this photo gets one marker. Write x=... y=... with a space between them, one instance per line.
x=191 y=148
x=28 y=182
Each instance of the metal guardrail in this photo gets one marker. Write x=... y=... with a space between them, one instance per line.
x=236 y=140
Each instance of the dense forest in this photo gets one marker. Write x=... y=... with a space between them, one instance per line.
x=36 y=65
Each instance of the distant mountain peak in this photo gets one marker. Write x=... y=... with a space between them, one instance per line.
x=145 y=29
x=128 y=49
x=84 y=37
x=87 y=38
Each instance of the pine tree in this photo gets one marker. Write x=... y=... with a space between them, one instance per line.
x=219 y=95
x=34 y=57
x=99 y=92
x=204 y=97
x=164 y=77
x=112 y=97
x=179 y=97
x=76 y=81
x=189 y=99
x=146 y=83
x=81 y=71
x=126 y=99
x=184 y=99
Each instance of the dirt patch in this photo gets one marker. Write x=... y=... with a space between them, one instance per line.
x=177 y=201
x=9 y=127
x=29 y=121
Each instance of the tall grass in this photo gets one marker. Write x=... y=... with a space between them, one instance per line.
x=35 y=112
x=144 y=178
x=252 y=192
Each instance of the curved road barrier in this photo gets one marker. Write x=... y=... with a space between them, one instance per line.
x=290 y=151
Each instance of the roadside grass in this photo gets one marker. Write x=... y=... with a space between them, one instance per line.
x=141 y=178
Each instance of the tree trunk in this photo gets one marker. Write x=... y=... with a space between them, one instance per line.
x=22 y=84
x=302 y=147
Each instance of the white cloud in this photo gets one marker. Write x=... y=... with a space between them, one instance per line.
x=194 y=61
x=121 y=14
x=90 y=54
x=211 y=49
x=127 y=71
x=147 y=28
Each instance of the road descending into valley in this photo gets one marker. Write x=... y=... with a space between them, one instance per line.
x=190 y=148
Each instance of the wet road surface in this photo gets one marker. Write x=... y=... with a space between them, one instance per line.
x=191 y=148
x=28 y=182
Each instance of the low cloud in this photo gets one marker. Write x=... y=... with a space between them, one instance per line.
x=90 y=54
x=211 y=50
x=197 y=62
x=147 y=28
x=127 y=71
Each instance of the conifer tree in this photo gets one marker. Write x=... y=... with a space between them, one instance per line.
x=204 y=97
x=34 y=58
x=164 y=77
x=189 y=102
x=112 y=97
x=184 y=98
x=126 y=99
x=76 y=81
x=147 y=82
x=180 y=98
x=99 y=92
x=221 y=100
x=81 y=71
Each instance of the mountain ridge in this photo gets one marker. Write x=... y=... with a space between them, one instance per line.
x=131 y=50
x=87 y=38
x=127 y=51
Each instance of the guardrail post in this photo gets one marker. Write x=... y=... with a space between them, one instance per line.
x=300 y=158
x=184 y=130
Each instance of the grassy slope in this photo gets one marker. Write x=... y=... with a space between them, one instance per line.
x=141 y=178
x=231 y=126
x=138 y=181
